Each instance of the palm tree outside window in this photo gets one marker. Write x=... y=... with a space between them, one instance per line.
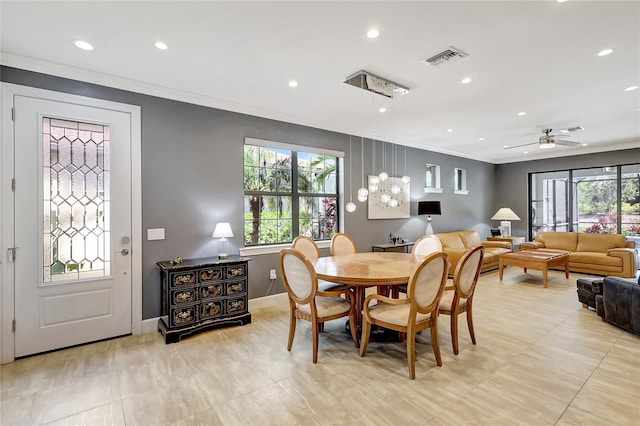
x=288 y=193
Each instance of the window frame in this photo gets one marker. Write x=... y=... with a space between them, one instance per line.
x=295 y=194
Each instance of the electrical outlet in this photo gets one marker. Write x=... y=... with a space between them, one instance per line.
x=272 y=274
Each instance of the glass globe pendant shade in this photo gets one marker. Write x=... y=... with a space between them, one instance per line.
x=406 y=179
x=373 y=188
x=395 y=189
x=363 y=193
x=374 y=180
x=385 y=198
x=383 y=176
x=393 y=202
x=351 y=207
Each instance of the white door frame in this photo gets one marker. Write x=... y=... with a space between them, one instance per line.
x=7 y=292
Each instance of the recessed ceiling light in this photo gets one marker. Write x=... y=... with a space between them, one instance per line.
x=382 y=109
x=449 y=130
x=585 y=144
x=521 y=113
x=480 y=139
x=83 y=45
x=466 y=80
x=160 y=45
x=561 y=1
x=630 y=88
x=373 y=33
x=605 y=52
x=293 y=83
x=506 y=146
x=526 y=152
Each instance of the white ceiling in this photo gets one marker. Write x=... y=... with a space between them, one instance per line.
x=539 y=57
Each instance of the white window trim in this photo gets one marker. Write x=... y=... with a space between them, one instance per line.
x=292 y=147
x=438 y=188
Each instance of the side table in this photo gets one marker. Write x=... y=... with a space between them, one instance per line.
x=399 y=247
x=515 y=241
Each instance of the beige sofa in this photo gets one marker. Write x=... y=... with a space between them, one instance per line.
x=456 y=243
x=599 y=254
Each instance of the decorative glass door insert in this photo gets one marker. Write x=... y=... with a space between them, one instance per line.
x=76 y=200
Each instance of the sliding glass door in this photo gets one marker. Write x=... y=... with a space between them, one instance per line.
x=602 y=200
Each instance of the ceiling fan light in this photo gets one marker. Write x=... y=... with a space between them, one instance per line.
x=547 y=145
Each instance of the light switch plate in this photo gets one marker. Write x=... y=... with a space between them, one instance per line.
x=155 y=234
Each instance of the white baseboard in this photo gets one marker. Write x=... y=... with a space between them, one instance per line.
x=150 y=325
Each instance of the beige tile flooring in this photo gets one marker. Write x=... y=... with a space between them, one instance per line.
x=540 y=359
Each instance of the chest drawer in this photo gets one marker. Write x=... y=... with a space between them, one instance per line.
x=210 y=290
x=185 y=295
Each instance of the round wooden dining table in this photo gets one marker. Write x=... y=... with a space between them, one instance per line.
x=362 y=270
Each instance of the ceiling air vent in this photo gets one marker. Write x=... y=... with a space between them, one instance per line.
x=448 y=55
x=372 y=83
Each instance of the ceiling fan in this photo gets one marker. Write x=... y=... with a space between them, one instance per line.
x=547 y=140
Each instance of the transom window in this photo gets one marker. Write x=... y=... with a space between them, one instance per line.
x=288 y=192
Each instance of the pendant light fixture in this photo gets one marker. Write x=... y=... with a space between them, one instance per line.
x=374 y=180
x=395 y=188
x=383 y=176
x=363 y=192
x=405 y=179
x=351 y=206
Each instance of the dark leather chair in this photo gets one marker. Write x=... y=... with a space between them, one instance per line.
x=619 y=303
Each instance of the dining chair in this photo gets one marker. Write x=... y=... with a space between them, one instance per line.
x=417 y=312
x=310 y=249
x=423 y=246
x=426 y=244
x=310 y=304
x=458 y=298
x=342 y=243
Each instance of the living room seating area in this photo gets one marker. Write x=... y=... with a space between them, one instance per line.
x=598 y=254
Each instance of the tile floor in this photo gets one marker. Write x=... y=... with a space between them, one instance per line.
x=541 y=359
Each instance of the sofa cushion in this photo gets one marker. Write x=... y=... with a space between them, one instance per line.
x=559 y=240
x=492 y=254
x=470 y=238
x=594 y=258
x=451 y=240
x=599 y=242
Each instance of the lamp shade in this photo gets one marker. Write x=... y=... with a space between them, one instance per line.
x=222 y=230
x=429 y=207
x=505 y=213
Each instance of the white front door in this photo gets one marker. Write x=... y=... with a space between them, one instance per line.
x=72 y=215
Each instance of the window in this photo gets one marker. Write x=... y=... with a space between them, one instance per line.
x=602 y=200
x=289 y=191
x=432 y=179
x=460 y=181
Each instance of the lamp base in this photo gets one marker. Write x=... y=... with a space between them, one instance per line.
x=429 y=230
x=505 y=228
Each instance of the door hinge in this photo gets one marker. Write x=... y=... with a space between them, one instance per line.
x=13 y=326
x=11 y=254
x=13 y=184
x=13 y=114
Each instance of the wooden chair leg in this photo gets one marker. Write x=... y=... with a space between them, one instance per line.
x=315 y=327
x=354 y=331
x=292 y=329
x=435 y=344
x=454 y=332
x=411 y=353
x=364 y=337
x=470 y=325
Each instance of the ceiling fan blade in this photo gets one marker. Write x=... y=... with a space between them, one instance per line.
x=566 y=143
x=520 y=146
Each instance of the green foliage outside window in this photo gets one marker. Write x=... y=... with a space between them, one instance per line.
x=273 y=192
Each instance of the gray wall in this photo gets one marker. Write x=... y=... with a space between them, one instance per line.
x=511 y=183
x=192 y=178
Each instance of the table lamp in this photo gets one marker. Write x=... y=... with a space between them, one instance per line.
x=505 y=215
x=222 y=231
x=429 y=208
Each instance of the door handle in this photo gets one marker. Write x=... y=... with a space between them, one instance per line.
x=123 y=252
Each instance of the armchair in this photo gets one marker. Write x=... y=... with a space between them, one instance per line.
x=619 y=303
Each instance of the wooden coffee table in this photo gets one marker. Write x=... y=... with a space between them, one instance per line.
x=539 y=259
